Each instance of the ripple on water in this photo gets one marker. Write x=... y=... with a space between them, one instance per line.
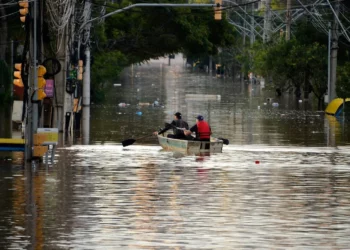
x=146 y=198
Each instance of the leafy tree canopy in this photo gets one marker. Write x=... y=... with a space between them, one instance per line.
x=150 y=32
x=343 y=81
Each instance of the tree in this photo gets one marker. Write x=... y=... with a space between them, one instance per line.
x=293 y=63
x=343 y=81
x=140 y=34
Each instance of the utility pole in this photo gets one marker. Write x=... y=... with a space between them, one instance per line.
x=288 y=20
x=252 y=29
x=267 y=21
x=60 y=83
x=329 y=63
x=334 y=53
x=86 y=79
x=244 y=25
x=244 y=43
x=86 y=98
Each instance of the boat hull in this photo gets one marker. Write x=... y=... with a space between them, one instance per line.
x=190 y=147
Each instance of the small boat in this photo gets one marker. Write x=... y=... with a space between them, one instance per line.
x=190 y=147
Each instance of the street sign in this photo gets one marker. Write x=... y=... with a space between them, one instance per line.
x=51 y=135
x=49 y=88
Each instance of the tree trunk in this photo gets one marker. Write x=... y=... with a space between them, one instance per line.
x=297 y=92
x=320 y=105
x=307 y=85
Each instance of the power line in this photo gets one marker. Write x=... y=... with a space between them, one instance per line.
x=12 y=3
x=10 y=14
x=222 y=8
x=9 y=42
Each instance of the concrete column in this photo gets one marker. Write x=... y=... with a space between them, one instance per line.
x=86 y=99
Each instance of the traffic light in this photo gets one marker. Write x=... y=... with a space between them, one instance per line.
x=217 y=9
x=41 y=82
x=17 y=73
x=23 y=10
x=80 y=70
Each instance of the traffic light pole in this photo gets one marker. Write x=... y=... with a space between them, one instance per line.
x=35 y=75
x=32 y=110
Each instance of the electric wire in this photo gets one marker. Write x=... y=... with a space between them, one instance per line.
x=13 y=13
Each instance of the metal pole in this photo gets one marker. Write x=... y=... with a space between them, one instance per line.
x=32 y=109
x=244 y=25
x=12 y=65
x=35 y=82
x=329 y=63
x=288 y=20
x=334 y=52
x=210 y=66
x=244 y=43
x=11 y=85
x=86 y=79
x=86 y=98
x=267 y=21
x=252 y=29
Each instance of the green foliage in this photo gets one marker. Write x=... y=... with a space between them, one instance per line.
x=151 y=32
x=107 y=66
x=343 y=81
x=105 y=69
x=300 y=63
x=141 y=34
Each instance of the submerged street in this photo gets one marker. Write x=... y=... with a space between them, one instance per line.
x=282 y=183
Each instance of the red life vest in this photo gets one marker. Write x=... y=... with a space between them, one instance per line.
x=203 y=130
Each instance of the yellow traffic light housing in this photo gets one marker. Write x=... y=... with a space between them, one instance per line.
x=80 y=70
x=217 y=10
x=23 y=10
x=41 y=82
x=41 y=71
x=17 y=74
x=41 y=94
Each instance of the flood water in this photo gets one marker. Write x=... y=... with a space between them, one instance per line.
x=282 y=183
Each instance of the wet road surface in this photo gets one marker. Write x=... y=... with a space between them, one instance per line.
x=282 y=183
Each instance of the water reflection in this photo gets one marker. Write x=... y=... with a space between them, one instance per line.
x=145 y=198
x=255 y=117
x=265 y=191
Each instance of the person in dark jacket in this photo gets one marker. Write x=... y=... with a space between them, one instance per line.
x=201 y=128
x=176 y=123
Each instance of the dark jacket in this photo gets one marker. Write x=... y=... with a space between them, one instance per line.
x=176 y=123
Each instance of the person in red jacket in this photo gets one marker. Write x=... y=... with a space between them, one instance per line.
x=202 y=129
